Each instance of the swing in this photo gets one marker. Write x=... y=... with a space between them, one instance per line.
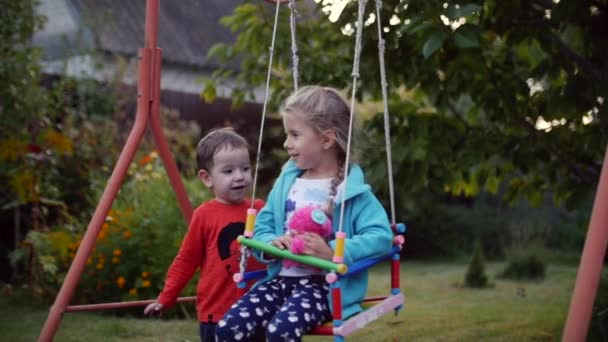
x=373 y=307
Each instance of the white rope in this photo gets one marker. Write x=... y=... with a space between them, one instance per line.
x=355 y=76
x=294 y=46
x=387 y=127
x=257 y=159
x=245 y=252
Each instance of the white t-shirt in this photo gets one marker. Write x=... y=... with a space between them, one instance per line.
x=305 y=192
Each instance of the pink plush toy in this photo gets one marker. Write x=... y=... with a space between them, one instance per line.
x=308 y=219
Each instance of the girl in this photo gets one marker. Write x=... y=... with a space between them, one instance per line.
x=291 y=301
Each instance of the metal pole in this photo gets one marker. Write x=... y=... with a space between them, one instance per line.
x=161 y=142
x=145 y=98
x=121 y=305
x=590 y=268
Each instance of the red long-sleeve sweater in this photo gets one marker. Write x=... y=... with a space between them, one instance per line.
x=210 y=245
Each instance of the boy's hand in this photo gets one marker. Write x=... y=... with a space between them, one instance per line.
x=282 y=242
x=153 y=309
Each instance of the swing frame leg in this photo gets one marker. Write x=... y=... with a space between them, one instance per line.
x=590 y=269
x=147 y=111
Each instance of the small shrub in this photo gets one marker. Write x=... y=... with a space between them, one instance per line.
x=476 y=275
x=527 y=266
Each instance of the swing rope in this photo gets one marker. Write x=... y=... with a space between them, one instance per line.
x=246 y=252
x=294 y=46
x=265 y=105
x=336 y=268
x=387 y=126
x=355 y=75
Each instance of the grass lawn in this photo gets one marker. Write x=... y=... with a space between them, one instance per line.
x=437 y=308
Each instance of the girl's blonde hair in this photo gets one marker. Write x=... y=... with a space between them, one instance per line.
x=323 y=108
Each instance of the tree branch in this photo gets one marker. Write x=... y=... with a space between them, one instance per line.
x=546 y=4
x=580 y=60
x=584 y=63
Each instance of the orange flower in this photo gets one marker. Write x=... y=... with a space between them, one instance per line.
x=117 y=252
x=120 y=281
x=58 y=142
x=145 y=274
x=99 y=266
x=115 y=260
x=127 y=234
x=145 y=160
x=146 y=283
x=133 y=292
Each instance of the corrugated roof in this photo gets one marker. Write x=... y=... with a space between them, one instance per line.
x=187 y=28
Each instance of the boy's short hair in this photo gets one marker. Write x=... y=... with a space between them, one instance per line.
x=213 y=142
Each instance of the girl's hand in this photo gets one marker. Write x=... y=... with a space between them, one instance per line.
x=315 y=245
x=282 y=242
x=153 y=309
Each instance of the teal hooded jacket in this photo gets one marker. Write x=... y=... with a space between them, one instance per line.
x=366 y=224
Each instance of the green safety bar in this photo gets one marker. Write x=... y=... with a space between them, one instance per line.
x=285 y=254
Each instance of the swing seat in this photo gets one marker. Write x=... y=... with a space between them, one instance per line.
x=373 y=308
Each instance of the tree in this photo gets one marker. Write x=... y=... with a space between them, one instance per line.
x=476 y=273
x=483 y=95
x=51 y=146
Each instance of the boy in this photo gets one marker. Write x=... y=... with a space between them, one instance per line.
x=210 y=243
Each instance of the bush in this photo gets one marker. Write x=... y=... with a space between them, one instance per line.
x=450 y=231
x=476 y=275
x=524 y=266
x=134 y=248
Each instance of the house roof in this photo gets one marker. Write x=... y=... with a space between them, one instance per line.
x=186 y=28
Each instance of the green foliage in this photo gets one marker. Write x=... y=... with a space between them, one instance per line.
x=469 y=85
x=20 y=94
x=62 y=139
x=524 y=266
x=134 y=248
x=253 y=22
x=182 y=137
x=56 y=136
x=476 y=273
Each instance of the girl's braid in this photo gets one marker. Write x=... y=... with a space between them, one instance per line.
x=333 y=189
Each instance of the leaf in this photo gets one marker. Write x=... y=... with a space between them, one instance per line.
x=472 y=116
x=536 y=198
x=418 y=27
x=209 y=93
x=492 y=184
x=454 y=12
x=217 y=50
x=465 y=39
x=433 y=43
x=469 y=9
